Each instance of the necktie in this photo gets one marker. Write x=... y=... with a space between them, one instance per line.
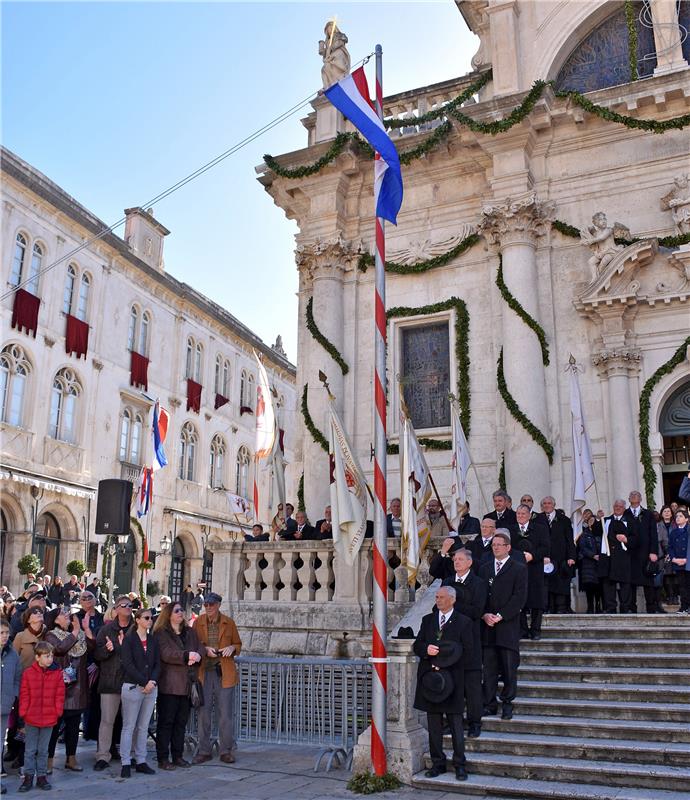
x=523 y=528
x=498 y=567
x=443 y=620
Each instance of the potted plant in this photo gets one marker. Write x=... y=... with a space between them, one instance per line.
x=76 y=567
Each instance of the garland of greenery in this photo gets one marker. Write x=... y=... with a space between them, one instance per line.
x=502 y=125
x=646 y=454
x=502 y=473
x=339 y=144
x=144 y=565
x=300 y=493
x=328 y=346
x=367 y=260
x=462 y=350
x=430 y=444
x=632 y=39
x=316 y=434
x=664 y=241
x=513 y=302
x=518 y=414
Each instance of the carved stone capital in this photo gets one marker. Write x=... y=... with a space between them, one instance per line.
x=326 y=258
x=624 y=361
x=516 y=221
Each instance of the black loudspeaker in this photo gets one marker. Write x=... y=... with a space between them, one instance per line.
x=112 y=510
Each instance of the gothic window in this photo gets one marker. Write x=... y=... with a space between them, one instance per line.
x=18 y=272
x=75 y=301
x=188 y=444
x=425 y=374
x=68 y=295
x=20 y=245
x=144 y=333
x=193 y=361
x=242 y=472
x=14 y=372
x=243 y=388
x=216 y=472
x=222 y=376
x=138 y=333
x=83 y=301
x=131 y=436
x=64 y=400
x=36 y=263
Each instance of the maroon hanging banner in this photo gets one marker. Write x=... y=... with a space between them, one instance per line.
x=76 y=337
x=139 y=371
x=25 y=312
x=220 y=401
x=193 y=395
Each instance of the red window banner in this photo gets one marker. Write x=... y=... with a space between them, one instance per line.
x=25 y=312
x=193 y=395
x=220 y=401
x=139 y=371
x=76 y=337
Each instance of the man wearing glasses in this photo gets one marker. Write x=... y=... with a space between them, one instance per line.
x=220 y=643
x=507 y=579
x=107 y=654
x=90 y=618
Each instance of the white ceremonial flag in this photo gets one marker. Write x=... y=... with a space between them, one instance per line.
x=348 y=492
x=416 y=491
x=461 y=460
x=239 y=505
x=583 y=470
x=265 y=414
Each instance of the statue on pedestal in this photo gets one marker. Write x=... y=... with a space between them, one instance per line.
x=601 y=239
x=678 y=202
x=333 y=50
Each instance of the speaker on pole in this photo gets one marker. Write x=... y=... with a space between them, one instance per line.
x=112 y=509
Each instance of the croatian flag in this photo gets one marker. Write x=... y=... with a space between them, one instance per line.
x=351 y=97
x=144 y=494
x=160 y=431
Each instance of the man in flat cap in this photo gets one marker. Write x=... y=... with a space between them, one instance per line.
x=445 y=646
x=220 y=643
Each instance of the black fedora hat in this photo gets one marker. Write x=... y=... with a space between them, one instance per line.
x=437 y=685
x=449 y=653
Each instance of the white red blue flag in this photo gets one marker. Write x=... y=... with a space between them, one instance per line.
x=144 y=493
x=160 y=431
x=351 y=97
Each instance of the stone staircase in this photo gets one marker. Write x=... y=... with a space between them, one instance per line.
x=603 y=713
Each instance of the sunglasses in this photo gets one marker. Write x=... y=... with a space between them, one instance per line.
x=124 y=605
x=177 y=611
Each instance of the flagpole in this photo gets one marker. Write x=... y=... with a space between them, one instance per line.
x=380 y=626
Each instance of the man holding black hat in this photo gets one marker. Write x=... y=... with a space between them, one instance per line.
x=445 y=647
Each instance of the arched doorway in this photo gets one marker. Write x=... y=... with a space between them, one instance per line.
x=207 y=571
x=674 y=426
x=124 y=566
x=177 y=570
x=47 y=543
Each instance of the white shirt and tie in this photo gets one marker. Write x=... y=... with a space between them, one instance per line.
x=443 y=618
x=523 y=528
x=461 y=578
x=498 y=566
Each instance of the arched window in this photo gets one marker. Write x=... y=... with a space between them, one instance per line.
x=247 y=391
x=251 y=391
x=131 y=434
x=125 y=428
x=188 y=443
x=18 y=258
x=133 y=324
x=14 y=372
x=222 y=377
x=242 y=472
x=189 y=363
x=36 y=263
x=243 y=388
x=193 y=361
x=144 y=333
x=83 y=302
x=198 y=354
x=216 y=472
x=63 y=406
x=139 y=331
x=68 y=295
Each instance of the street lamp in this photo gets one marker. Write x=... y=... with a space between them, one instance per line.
x=166 y=547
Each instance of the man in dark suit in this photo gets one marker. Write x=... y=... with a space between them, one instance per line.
x=507 y=579
x=445 y=649
x=303 y=530
x=290 y=523
x=471 y=591
x=528 y=501
x=323 y=528
x=393 y=519
x=465 y=524
x=532 y=539
x=480 y=546
x=562 y=553
x=503 y=515
x=615 y=566
x=641 y=521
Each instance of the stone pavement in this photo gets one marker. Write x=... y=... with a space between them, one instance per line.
x=261 y=771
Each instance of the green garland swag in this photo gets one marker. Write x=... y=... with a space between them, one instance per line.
x=328 y=346
x=367 y=260
x=518 y=414
x=646 y=455
x=502 y=125
x=316 y=434
x=430 y=444
x=632 y=39
x=502 y=473
x=462 y=350
x=300 y=493
x=532 y=323
x=664 y=241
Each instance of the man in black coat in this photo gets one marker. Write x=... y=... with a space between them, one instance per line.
x=445 y=649
x=303 y=529
x=507 y=579
x=532 y=539
x=502 y=515
x=562 y=555
x=615 y=562
x=464 y=523
x=480 y=546
x=471 y=591
x=641 y=521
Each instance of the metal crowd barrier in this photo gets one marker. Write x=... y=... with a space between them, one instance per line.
x=314 y=701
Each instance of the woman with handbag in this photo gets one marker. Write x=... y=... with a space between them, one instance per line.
x=664 y=527
x=71 y=645
x=180 y=657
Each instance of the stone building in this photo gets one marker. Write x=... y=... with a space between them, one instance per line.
x=87 y=347
x=503 y=265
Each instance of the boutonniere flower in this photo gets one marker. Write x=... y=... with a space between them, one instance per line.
x=491 y=581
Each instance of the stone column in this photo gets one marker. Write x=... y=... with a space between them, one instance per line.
x=618 y=368
x=513 y=227
x=505 y=51
x=669 y=52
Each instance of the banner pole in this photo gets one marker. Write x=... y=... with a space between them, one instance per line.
x=380 y=626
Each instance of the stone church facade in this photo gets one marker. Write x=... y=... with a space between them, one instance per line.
x=561 y=230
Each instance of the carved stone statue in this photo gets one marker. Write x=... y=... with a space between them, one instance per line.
x=333 y=50
x=600 y=238
x=278 y=346
x=678 y=202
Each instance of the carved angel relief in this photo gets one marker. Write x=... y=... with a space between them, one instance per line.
x=601 y=239
x=424 y=249
x=677 y=201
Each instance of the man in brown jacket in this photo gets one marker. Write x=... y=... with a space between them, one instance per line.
x=220 y=643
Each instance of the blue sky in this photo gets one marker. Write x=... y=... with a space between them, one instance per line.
x=117 y=101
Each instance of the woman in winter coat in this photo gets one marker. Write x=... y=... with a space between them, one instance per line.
x=11 y=673
x=71 y=643
x=34 y=631
x=678 y=550
x=180 y=656
x=588 y=549
x=664 y=527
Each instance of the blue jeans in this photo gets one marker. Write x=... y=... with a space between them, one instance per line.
x=36 y=750
x=137 y=709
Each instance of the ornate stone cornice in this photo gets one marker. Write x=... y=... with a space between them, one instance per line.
x=516 y=221
x=623 y=361
x=326 y=258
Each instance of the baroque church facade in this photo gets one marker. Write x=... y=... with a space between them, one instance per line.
x=546 y=215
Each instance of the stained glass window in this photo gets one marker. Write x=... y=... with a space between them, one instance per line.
x=425 y=374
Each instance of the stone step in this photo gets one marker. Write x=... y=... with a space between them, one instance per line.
x=617 y=621
x=595 y=674
x=605 y=660
x=594 y=632
x=603 y=691
x=676 y=645
x=647 y=730
x=579 y=747
x=610 y=710
x=490 y=786
x=519 y=767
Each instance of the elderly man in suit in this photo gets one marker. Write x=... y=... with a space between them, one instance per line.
x=507 y=579
x=446 y=649
x=503 y=515
x=618 y=542
x=563 y=554
x=532 y=539
x=642 y=522
x=480 y=546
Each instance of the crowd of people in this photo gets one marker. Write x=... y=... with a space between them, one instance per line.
x=71 y=665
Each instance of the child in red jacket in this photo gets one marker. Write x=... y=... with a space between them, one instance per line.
x=41 y=702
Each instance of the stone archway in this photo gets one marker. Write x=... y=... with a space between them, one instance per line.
x=125 y=561
x=674 y=427
x=47 y=542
